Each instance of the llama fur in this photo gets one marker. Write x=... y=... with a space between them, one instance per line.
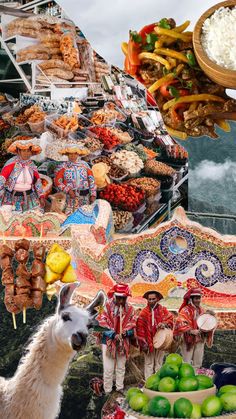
x=35 y=391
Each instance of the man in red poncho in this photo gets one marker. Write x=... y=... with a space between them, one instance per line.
x=192 y=347
x=119 y=321
x=151 y=318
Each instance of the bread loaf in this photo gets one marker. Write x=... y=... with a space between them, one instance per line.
x=59 y=72
x=54 y=64
x=52 y=37
x=32 y=56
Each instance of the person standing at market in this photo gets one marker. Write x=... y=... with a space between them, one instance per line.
x=153 y=317
x=20 y=183
x=118 y=319
x=193 y=340
x=75 y=178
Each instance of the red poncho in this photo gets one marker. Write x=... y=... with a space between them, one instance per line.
x=145 y=330
x=186 y=321
x=110 y=319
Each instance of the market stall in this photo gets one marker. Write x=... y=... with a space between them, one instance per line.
x=93 y=106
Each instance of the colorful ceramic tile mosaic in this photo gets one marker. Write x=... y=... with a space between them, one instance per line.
x=174 y=256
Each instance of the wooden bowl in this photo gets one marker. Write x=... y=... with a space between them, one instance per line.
x=218 y=74
x=194 y=396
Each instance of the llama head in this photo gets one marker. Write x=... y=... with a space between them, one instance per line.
x=73 y=323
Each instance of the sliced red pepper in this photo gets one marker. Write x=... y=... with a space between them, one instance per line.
x=129 y=68
x=133 y=51
x=150 y=99
x=184 y=92
x=146 y=30
x=177 y=112
x=164 y=88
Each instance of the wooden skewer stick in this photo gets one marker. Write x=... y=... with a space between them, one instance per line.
x=24 y=315
x=24 y=308
x=14 y=320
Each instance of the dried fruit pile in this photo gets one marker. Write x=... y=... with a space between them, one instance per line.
x=125 y=197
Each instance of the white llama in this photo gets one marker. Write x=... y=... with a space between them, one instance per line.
x=35 y=391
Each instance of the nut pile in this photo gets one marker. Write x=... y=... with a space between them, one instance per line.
x=93 y=144
x=123 y=137
x=154 y=167
x=121 y=219
x=148 y=185
x=127 y=160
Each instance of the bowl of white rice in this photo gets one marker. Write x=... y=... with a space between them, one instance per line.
x=214 y=42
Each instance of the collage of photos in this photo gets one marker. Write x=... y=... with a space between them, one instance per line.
x=117 y=215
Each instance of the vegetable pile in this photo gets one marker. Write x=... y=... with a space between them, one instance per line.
x=161 y=56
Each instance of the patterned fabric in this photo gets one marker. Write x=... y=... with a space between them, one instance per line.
x=77 y=177
x=8 y=178
x=96 y=385
x=110 y=319
x=186 y=321
x=145 y=330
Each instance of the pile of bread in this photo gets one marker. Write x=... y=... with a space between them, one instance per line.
x=101 y=67
x=58 y=52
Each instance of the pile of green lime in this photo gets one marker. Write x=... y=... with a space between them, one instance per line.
x=177 y=376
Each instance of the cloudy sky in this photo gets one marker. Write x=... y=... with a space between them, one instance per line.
x=106 y=23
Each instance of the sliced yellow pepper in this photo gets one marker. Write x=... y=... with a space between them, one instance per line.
x=124 y=48
x=155 y=57
x=179 y=134
x=182 y=27
x=172 y=62
x=172 y=53
x=172 y=34
x=203 y=97
x=165 y=79
x=223 y=124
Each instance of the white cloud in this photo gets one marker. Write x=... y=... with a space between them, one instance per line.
x=106 y=23
x=214 y=183
x=209 y=170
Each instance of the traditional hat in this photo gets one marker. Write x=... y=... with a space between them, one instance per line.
x=119 y=290
x=192 y=292
x=24 y=145
x=153 y=292
x=75 y=148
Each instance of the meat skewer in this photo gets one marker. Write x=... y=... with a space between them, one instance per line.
x=38 y=272
x=6 y=255
x=22 y=298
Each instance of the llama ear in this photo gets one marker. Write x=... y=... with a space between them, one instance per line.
x=99 y=300
x=65 y=295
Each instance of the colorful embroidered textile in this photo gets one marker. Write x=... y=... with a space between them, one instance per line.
x=8 y=178
x=110 y=319
x=145 y=330
x=77 y=177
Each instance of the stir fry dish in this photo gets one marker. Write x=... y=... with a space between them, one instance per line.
x=161 y=56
